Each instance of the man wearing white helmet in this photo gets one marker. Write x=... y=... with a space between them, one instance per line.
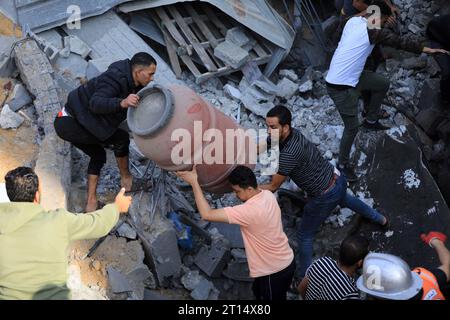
x=388 y=277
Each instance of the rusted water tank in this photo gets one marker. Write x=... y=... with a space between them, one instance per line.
x=167 y=116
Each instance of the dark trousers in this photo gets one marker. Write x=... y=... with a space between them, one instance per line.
x=68 y=129
x=274 y=287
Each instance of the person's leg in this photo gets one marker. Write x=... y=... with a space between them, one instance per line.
x=346 y=102
x=378 y=87
x=356 y=205
x=261 y=289
x=120 y=141
x=315 y=213
x=280 y=282
x=70 y=130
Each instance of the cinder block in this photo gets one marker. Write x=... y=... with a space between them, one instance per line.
x=212 y=261
x=231 y=54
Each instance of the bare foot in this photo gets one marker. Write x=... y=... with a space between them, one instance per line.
x=91 y=205
x=127 y=182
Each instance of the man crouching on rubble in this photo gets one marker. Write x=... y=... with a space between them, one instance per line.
x=270 y=258
x=33 y=241
x=94 y=111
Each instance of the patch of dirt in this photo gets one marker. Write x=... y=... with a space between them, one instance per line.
x=8 y=28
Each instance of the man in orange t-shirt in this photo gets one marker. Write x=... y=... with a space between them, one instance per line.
x=270 y=258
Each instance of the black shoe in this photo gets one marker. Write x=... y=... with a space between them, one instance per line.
x=349 y=173
x=377 y=126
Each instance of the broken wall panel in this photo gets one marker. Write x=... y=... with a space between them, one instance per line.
x=111 y=39
x=41 y=15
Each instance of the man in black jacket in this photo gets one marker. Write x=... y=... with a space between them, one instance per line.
x=91 y=117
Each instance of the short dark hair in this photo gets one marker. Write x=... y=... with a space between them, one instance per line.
x=21 y=184
x=353 y=249
x=142 y=59
x=243 y=177
x=283 y=114
x=384 y=8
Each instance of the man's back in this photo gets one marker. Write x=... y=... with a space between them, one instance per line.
x=33 y=247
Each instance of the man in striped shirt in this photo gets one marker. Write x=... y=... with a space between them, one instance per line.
x=327 y=279
x=325 y=186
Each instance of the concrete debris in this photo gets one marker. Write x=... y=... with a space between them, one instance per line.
x=238 y=37
x=9 y=119
x=232 y=232
x=19 y=98
x=231 y=54
x=286 y=88
x=290 y=74
x=414 y=63
x=232 y=92
x=414 y=29
x=213 y=260
x=118 y=282
x=73 y=65
x=202 y=290
x=95 y=67
x=191 y=279
x=77 y=46
x=126 y=231
x=306 y=86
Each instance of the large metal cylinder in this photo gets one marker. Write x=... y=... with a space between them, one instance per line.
x=163 y=111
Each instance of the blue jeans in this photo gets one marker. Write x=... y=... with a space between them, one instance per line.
x=317 y=211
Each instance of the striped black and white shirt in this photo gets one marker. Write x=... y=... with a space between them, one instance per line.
x=326 y=281
x=301 y=161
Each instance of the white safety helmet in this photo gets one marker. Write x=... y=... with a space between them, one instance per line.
x=388 y=277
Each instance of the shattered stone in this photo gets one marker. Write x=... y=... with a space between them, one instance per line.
x=9 y=119
x=328 y=155
x=306 y=86
x=286 y=88
x=414 y=63
x=414 y=29
x=433 y=67
x=237 y=36
x=266 y=85
x=290 y=74
x=77 y=46
x=239 y=255
x=232 y=92
x=392 y=64
x=126 y=231
x=118 y=282
x=191 y=279
x=230 y=231
x=238 y=271
x=202 y=290
x=20 y=98
x=74 y=65
x=231 y=54
x=258 y=107
x=213 y=260
x=95 y=67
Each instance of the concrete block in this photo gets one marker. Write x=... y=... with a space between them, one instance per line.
x=118 y=282
x=287 y=88
x=95 y=67
x=238 y=270
x=213 y=260
x=19 y=98
x=191 y=279
x=306 y=86
x=430 y=96
x=231 y=54
x=74 y=66
x=232 y=232
x=290 y=74
x=202 y=290
x=126 y=231
x=256 y=106
x=77 y=46
x=9 y=119
x=237 y=36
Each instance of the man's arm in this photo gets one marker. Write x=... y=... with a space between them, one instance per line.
x=277 y=181
x=206 y=212
x=303 y=286
x=444 y=256
x=360 y=5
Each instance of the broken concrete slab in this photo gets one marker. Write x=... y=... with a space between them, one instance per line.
x=290 y=74
x=142 y=23
x=213 y=260
x=430 y=96
x=73 y=66
x=54 y=155
x=231 y=54
x=111 y=39
x=238 y=271
x=414 y=63
x=230 y=231
x=77 y=46
x=118 y=282
x=191 y=279
x=19 y=98
x=232 y=92
x=306 y=86
x=126 y=231
x=202 y=290
x=258 y=107
x=287 y=88
x=9 y=119
x=53 y=37
x=237 y=36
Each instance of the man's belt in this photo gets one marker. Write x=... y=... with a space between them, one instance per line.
x=339 y=87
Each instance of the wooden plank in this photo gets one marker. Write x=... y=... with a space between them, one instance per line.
x=227 y=70
x=172 y=51
x=167 y=22
x=201 y=24
x=209 y=64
